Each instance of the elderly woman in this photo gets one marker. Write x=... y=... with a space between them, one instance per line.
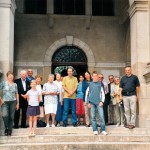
x=9 y=102
x=118 y=103
x=50 y=92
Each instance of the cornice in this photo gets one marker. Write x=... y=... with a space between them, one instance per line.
x=138 y=5
x=8 y=4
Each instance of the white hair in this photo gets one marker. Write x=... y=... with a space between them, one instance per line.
x=23 y=71
x=51 y=75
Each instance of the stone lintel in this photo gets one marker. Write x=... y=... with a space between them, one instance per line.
x=138 y=5
x=8 y=4
x=147 y=73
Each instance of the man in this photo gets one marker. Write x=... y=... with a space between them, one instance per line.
x=69 y=84
x=111 y=106
x=107 y=97
x=29 y=77
x=23 y=86
x=95 y=100
x=129 y=92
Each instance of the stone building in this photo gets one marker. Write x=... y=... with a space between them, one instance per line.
x=102 y=35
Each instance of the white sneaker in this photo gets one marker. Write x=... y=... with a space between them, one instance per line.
x=47 y=126
x=53 y=125
x=95 y=132
x=122 y=125
x=104 y=133
x=117 y=125
x=58 y=125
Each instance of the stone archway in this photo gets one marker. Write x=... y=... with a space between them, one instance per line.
x=69 y=41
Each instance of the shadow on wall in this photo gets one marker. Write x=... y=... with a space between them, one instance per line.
x=1 y=120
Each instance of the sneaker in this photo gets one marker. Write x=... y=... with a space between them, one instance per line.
x=104 y=133
x=53 y=125
x=122 y=125
x=95 y=132
x=47 y=126
x=58 y=125
x=131 y=126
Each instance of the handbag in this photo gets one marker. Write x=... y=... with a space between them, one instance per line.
x=41 y=123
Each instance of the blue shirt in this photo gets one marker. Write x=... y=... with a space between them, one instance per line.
x=80 y=94
x=95 y=93
x=85 y=85
x=29 y=79
x=8 y=91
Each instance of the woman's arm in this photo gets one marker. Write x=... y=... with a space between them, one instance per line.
x=17 y=99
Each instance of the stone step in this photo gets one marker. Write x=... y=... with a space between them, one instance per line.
x=82 y=130
x=78 y=146
x=74 y=138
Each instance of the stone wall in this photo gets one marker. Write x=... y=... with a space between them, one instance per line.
x=106 y=37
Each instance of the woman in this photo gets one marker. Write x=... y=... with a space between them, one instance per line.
x=9 y=102
x=59 y=113
x=85 y=85
x=50 y=92
x=79 y=101
x=118 y=104
x=39 y=87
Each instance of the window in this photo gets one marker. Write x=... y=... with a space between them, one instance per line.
x=103 y=8
x=69 y=7
x=35 y=6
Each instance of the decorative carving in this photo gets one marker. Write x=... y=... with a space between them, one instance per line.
x=69 y=54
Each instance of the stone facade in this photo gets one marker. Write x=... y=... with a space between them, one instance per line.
x=109 y=43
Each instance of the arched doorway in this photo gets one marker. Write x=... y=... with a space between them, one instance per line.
x=66 y=56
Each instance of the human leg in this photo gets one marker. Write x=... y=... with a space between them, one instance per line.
x=127 y=109
x=101 y=117
x=93 y=117
x=133 y=110
x=65 y=111
x=87 y=114
x=74 y=115
x=12 y=108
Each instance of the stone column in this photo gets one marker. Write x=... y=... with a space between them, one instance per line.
x=88 y=13
x=7 y=12
x=50 y=12
x=140 y=54
x=88 y=7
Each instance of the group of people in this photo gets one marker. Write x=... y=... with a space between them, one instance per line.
x=89 y=98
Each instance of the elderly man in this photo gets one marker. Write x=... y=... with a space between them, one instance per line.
x=129 y=92
x=23 y=86
x=29 y=77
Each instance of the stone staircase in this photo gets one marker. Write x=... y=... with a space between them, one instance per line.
x=77 y=138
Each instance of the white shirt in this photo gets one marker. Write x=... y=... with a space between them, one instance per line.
x=24 y=84
x=39 y=88
x=50 y=87
x=61 y=90
x=33 y=97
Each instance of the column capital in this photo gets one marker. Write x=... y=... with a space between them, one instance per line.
x=137 y=5
x=8 y=4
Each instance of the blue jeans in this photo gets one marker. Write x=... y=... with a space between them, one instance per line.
x=8 y=112
x=67 y=102
x=100 y=111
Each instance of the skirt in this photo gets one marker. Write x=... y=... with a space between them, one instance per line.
x=80 y=107
x=33 y=110
x=50 y=108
